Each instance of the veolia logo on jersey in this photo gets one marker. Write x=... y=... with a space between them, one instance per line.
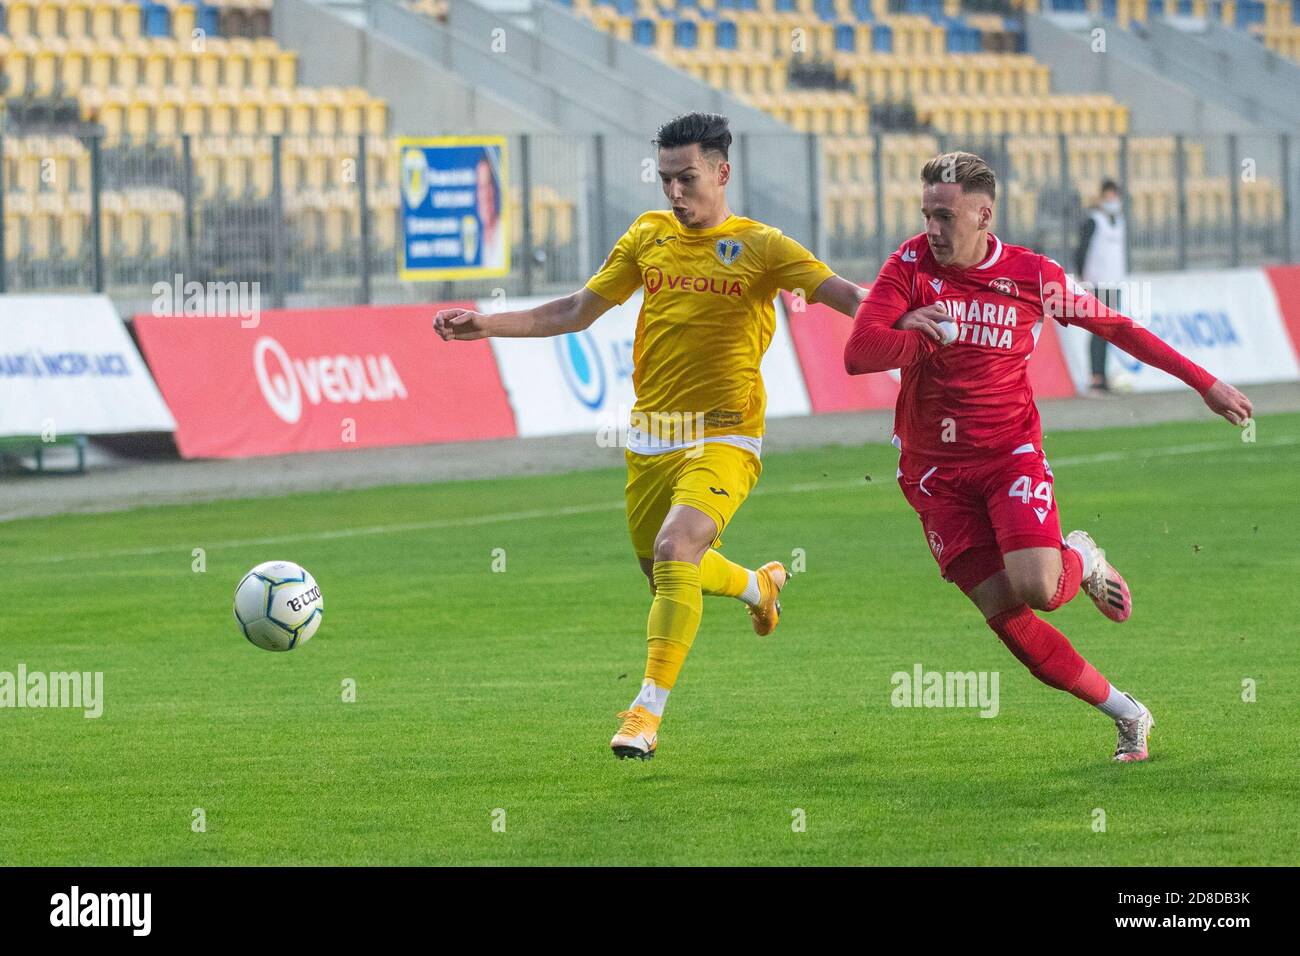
x=655 y=279
x=1004 y=286
x=582 y=367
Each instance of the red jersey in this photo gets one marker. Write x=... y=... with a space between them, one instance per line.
x=972 y=398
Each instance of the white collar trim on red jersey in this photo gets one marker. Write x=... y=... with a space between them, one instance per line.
x=994 y=256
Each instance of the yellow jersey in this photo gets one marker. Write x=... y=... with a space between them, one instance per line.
x=706 y=318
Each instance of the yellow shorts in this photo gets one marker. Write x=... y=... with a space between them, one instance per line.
x=714 y=478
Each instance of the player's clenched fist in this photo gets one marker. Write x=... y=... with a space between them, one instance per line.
x=931 y=320
x=1225 y=400
x=461 y=324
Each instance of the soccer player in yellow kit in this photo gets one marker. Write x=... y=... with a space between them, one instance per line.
x=706 y=319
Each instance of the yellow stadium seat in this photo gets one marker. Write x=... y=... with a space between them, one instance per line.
x=76 y=20
x=183 y=22
x=48 y=20
x=74 y=219
x=44 y=226
x=139 y=114
x=16 y=70
x=128 y=21
x=286 y=69
x=260 y=70
x=194 y=114
x=155 y=67
x=112 y=114
x=103 y=20
x=19 y=18
x=247 y=116
x=207 y=70
x=167 y=113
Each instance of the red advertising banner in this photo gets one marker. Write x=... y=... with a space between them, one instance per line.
x=322 y=379
x=819 y=334
x=1048 y=372
x=1286 y=284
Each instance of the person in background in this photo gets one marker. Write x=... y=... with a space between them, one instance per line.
x=489 y=212
x=1100 y=262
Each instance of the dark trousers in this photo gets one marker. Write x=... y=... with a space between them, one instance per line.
x=1111 y=296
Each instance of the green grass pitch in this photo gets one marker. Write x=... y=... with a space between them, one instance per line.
x=482 y=691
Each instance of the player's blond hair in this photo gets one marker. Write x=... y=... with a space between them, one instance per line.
x=971 y=172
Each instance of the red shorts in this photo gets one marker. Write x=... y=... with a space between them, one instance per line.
x=1000 y=504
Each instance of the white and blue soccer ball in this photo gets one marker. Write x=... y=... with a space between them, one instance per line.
x=278 y=605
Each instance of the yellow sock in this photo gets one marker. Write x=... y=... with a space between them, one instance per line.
x=722 y=577
x=674 y=619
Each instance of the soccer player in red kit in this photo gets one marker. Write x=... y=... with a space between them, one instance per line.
x=959 y=312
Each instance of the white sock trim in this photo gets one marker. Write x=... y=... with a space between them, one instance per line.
x=1086 y=555
x=751 y=594
x=652 y=698
x=1119 y=705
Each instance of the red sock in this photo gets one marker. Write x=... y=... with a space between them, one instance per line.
x=1071 y=576
x=1048 y=654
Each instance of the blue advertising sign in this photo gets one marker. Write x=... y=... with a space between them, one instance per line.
x=454 y=209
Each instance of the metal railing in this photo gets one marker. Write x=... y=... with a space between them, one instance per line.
x=316 y=220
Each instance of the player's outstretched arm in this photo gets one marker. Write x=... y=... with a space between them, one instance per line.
x=569 y=314
x=840 y=294
x=1071 y=304
x=1228 y=402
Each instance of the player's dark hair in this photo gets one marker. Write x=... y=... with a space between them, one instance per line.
x=710 y=130
x=972 y=172
x=1110 y=186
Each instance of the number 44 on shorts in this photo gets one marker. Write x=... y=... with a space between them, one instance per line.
x=1020 y=488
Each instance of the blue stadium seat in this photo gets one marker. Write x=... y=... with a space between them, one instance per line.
x=1110 y=9
x=686 y=34
x=846 y=38
x=155 y=20
x=862 y=10
x=747 y=4
x=1184 y=8
x=643 y=32
x=882 y=39
x=826 y=10
x=208 y=19
x=725 y=36
x=1248 y=12
x=625 y=8
x=786 y=6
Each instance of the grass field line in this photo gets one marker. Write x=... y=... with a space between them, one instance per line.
x=470 y=521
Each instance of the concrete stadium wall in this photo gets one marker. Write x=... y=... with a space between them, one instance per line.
x=424 y=97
